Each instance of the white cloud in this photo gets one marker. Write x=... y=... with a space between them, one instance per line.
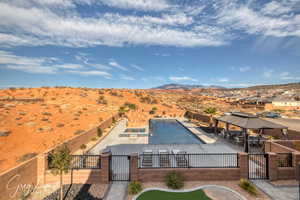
x=27 y=64
x=182 y=78
x=137 y=67
x=154 y=5
x=117 y=65
x=268 y=73
x=288 y=76
x=126 y=77
x=41 y=26
x=245 y=69
x=44 y=65
x=252 y=20
x=223 y=80
x=92 y=72
x=275 y=8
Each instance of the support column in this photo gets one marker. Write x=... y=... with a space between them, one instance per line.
x=134 y=168
x=42 y=166
x=243 y=165
x=227 y=128
x=296 y=161
x=216 y=126
x=246 y=145
x=272 y=166
x=105 y=167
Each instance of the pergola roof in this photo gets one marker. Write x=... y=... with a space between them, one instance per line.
x=249 y=121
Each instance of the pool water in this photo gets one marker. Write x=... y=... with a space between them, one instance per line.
x=169 y=131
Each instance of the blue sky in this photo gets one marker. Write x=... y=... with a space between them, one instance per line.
x=146 y=43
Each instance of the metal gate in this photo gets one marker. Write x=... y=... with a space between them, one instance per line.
x=119 y=168
x=258 y=166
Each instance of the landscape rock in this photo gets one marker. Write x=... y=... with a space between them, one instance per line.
x=30 y=124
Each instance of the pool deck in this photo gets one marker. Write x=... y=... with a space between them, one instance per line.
x=196 y=131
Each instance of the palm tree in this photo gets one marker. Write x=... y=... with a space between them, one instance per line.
x=211 y=111
x=60 y=163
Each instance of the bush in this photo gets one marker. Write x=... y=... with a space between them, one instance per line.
x=94 y=138
x=174 y=180
x=248 y=186
x=134 y=187
x=99 y=132
x=83 y=146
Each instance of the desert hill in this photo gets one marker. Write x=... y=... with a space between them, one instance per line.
x=35 y=119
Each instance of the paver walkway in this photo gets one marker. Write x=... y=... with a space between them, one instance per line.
x=117 y=191
x=278 y=192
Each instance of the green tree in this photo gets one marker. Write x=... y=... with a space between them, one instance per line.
x=60 y=163
x=211 y=111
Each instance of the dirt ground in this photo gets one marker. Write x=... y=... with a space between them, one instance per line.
x=34 y=120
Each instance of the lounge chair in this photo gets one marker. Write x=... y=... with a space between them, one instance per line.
x=147 y=159
x=180 y=157
x=164 y=160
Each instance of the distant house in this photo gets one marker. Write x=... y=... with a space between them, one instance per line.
x=285 y=103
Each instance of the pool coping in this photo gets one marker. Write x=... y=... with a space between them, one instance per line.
x=191 y=190
x=205 y=139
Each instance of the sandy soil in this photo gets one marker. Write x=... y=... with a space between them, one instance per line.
x=34 y=120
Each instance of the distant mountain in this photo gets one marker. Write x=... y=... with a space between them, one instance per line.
x=174 y=86
x=278 y=86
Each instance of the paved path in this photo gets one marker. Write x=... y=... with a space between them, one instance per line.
x=113 y=138
x=277 y=192
x=117 y=191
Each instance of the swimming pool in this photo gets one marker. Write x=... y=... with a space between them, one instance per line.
x=169 y=131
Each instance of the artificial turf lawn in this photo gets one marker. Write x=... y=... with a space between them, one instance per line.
x=162 y=195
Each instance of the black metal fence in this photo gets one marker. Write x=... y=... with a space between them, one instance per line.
x=228 y=160
x=86 y=162
x=81 y=162
x=285 y=160
x=258 y=166
x=119 y=168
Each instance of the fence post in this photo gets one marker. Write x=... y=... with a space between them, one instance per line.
x=273 y=166
x=105 y=167
x=296 y=160
x=243 y=164
x=134 y=168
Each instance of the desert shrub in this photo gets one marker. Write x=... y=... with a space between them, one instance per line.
x=26 y=156
x=102 y=100
x=248 y=186
x=83 y=146
x=134 y=187
x=78 y=132
x=94 y=139
x=174 y=180
x=151 y=112
x=99 y=132
x=60 y=125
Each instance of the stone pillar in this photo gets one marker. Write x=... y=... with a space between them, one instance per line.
x=105 y=158
x=267 y=146
x=42 y=166
x=272 y=166
x=134 y=167
x=296 y=160
x=243 y=164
